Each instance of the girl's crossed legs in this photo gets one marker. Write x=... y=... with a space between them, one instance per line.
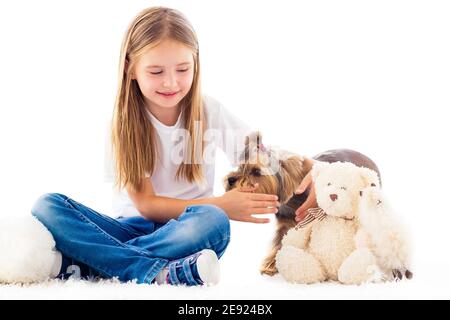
x=128 y=248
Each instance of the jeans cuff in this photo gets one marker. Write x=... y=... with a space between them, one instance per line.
x=154 y=270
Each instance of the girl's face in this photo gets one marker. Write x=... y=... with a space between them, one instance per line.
x=165 y=73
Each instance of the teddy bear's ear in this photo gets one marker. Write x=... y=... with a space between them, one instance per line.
x=317 y=168
x=370 y=178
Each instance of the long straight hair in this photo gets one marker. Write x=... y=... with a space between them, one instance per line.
x=133 y=136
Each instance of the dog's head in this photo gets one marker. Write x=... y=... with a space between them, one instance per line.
x=275 y=171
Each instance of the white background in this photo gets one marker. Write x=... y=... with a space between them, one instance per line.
x=368 y=75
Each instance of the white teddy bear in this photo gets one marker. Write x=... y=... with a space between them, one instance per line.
x=330 y=244
x=27 y=251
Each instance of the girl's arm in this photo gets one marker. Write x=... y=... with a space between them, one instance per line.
x=239 y=204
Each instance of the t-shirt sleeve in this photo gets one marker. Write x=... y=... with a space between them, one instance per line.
x=233 y=132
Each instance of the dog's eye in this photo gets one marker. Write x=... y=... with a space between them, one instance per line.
x=232 y=181
x=373 y=185
x=256 y=172
x=343 y=188
x=329 y=184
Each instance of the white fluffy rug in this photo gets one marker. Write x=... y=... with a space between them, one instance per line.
x=240 y=279
x=245 y=283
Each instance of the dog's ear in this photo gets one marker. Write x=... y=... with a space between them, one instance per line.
x=253 y=142
x=292 y=166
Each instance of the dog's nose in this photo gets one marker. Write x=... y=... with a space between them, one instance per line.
x=333 y=197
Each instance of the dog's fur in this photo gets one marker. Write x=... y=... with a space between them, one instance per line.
x=281 y=172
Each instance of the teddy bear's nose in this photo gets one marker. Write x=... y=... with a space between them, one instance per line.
x=333 y=197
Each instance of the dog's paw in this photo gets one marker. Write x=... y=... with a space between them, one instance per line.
x=269 y=268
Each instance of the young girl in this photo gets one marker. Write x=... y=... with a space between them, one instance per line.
x=164 y=132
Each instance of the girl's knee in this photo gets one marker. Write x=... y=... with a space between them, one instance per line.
x=211 y=217
x=208 y=227
x=44 y=207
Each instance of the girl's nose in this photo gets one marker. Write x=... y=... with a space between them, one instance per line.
x=170 y=81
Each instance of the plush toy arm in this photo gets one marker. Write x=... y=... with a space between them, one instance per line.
x=298 y=238
x=362 y=239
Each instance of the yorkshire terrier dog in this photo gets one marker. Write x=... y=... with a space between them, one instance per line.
x=280 y=172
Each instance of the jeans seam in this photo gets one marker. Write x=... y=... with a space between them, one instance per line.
x=107 y=236
x=115 y=241
x=70 y=205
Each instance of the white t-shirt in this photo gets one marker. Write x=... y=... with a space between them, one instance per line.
x=223 y=130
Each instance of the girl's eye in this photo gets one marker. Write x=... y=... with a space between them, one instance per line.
x=159 y=72
x=343 y=188
x=329 y=184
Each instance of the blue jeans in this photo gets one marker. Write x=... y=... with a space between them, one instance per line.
x=129 y=248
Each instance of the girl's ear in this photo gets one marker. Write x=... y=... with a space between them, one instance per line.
x=125 y=69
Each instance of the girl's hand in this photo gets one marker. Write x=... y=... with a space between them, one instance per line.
x=241 y=203
x=311 y=201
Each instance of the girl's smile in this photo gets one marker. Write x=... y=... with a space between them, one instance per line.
x=168 y=95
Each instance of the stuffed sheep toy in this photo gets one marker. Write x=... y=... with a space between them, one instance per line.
x=330 y=243
x=385 y=235
x=27 y=251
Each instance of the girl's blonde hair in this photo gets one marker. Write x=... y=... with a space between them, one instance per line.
x=133 y=136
